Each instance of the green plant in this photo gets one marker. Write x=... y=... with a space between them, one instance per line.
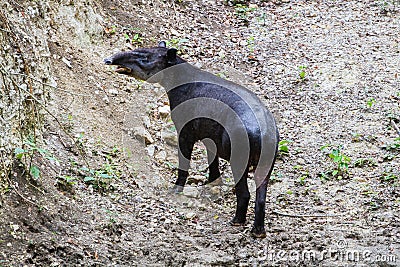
x=250 y=44
x=370 y=102
x=356 y=137
x=283 y=146
x=395 y=145
x=137 y=38
x=29 y=150
x=262 y=18
x=389 y=176
x=177 y=43
x=302 y=179
x=112 y=217
x=222 y=75
x=111 y=30
x=100 y=178
x=387 y=6
x=365 y=162
x=339 y=158
x=242 y=11
x=302 y=73
x=66 y=182
x=70 y=180
x=275 y=178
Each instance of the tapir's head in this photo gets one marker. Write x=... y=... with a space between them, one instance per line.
x=142 y=63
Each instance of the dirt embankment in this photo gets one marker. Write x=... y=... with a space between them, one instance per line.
x=327 y=70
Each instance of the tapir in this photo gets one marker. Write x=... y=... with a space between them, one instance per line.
x=229 y=119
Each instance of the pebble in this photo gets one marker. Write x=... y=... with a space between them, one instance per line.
x=190 y=191
x=171 y=138
x=67 y=62
x=164 y=111
x=161 y=156
x=301 y=161
x=199 y=227
x=114 y=92
x=150 y=150
x=190 y=215
x=215 y=190
x=146 y=122
x=143 y=135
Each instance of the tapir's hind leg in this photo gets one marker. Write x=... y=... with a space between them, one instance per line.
x=242 y=199
x=214 y=173
x=258 y=227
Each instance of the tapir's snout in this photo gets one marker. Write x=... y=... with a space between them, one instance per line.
x=115 y=60
x=108 y=61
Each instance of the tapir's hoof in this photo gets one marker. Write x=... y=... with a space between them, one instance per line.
x=176 y=189
x=237 y=222
x=258 y=232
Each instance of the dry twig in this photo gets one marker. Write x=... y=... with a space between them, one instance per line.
x=395 y=126
x=306 y=215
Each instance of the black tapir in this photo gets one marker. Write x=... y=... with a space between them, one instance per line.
x=230 y=120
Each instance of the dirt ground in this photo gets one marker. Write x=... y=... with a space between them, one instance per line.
x=328 y=71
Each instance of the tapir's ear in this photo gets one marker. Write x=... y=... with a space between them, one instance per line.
x=162 y=44
x=171 y=56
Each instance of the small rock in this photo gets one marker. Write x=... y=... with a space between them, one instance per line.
x=67 y=62
x=190 y=215
x=301 y=161
x=167 y=221
x=138 y=199
x=114 y=92
x=215 y=190
x=190 y=191
x=164 y=111
x=161 y=156
x=142 y=134
x=170 y=137
x=146 y=122
x=175 y=32
x=199 y=227
x=198 y=65
x=242 y=253
x=150 y=150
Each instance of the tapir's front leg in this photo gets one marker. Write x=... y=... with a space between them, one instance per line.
x=185 y=149
x=213 y=160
